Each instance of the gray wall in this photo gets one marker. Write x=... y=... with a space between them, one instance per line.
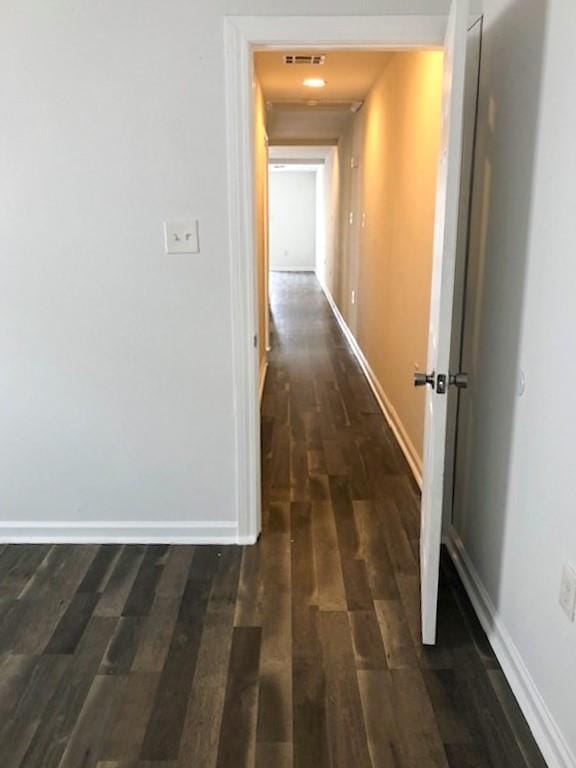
x=515 y=508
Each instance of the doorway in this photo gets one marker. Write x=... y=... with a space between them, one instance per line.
x=292 y=213
x=245 y=36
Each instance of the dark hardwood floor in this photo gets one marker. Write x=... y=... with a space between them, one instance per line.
x=301 y=651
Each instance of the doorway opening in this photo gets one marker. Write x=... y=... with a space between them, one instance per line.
x=379 y=116
x=387 y=219
x=292 y=213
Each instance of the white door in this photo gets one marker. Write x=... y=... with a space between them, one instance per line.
x=441 y=304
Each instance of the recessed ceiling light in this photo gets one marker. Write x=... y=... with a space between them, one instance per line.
x=314 y=82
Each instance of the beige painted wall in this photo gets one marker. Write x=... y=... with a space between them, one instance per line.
x=261 y=209
x=387 y=258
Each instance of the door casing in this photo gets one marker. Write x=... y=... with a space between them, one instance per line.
x=243 y=36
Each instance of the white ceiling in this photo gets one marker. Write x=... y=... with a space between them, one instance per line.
x=306 y=123
x=349 y=75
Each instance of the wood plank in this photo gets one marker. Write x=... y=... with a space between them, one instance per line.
x=418 y=729
x=347 y=739
x=49 y=742
x=18 y=564
x=398 y=643
x=85 y=745
x=373 y=549
x=367 y=642
x=124 y=738
x=329 y=581
x=384 y=740
x=123 y=645
x=164 y=731
x=101 y=567
x=274 y=755
x=60 y=572
x=120 y=582
x=143 y=591
x=250 y=589
x=71 y=626
x=238 y=731
x=275 y=694
x=310 y=745
x=200 y=737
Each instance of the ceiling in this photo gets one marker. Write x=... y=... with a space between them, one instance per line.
x=349 y=75
x=306 y=123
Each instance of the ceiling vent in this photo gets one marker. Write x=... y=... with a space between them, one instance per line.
x=302 y=58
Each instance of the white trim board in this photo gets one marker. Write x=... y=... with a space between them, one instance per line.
x=122 y=532
x=548 y=736
x=292 y=269
x=388 y=410
x=396 y=32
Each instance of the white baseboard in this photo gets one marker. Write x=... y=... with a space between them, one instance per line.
x=121 y=532
x=548 y=736
x=390 y=414
x=263 y=372
x=292 y=269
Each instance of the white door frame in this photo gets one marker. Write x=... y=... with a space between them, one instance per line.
x=244 y=35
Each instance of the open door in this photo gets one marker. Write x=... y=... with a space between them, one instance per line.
x=439 y=379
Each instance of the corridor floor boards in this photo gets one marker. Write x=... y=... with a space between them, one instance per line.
x=302 y=651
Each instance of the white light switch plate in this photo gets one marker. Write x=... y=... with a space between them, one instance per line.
x=181 y=236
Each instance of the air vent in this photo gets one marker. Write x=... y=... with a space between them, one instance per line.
x=301 y=58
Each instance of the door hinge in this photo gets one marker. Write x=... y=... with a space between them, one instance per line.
x=255 y=340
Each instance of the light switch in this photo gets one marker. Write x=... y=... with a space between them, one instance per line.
x=181 y=236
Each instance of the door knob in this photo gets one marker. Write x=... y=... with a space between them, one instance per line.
x=422 y=379
x=459 y=380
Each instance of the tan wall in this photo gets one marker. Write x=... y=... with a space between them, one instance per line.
x=261 y=211
x=388 y=247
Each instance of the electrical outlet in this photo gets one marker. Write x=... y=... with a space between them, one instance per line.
x=568 y=592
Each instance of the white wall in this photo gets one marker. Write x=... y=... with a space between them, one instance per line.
x=113 y=121
x=515 y=506
x=292 y=212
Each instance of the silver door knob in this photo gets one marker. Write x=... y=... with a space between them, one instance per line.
x=422 y=379
x=459 y=380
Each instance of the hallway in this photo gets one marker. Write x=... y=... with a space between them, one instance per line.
x=341 y=538
x=303 y=650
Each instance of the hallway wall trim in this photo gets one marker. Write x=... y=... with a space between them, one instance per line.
x=548 y=735
x=388 y=410
x=123 y=532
